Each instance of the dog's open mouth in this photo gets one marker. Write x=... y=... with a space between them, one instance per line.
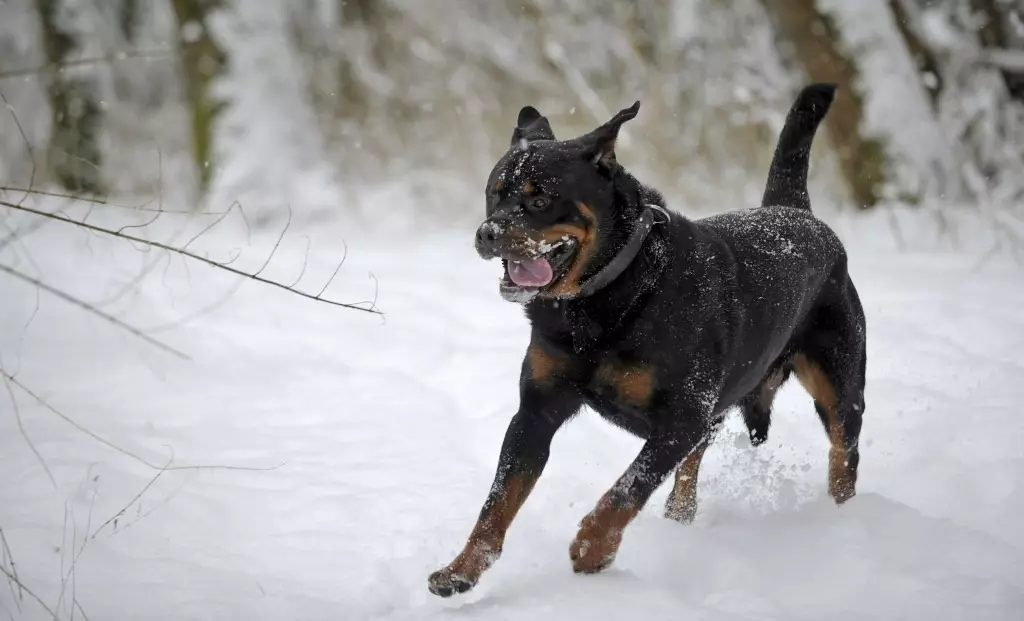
x=529 y=274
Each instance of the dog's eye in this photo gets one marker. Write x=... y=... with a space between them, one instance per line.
x=537 y=203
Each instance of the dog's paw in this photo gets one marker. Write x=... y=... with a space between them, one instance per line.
x=758 y=436
x=591 y=553
x=683 y=511
x=446 y=582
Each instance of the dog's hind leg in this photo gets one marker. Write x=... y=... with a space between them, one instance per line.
x=681 y=505
x=832 y=371
x=757 y=406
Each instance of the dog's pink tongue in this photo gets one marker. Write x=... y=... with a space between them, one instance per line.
x=531 y=273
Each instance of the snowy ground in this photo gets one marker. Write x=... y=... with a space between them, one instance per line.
x=381 y=439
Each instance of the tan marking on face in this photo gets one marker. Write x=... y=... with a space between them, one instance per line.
x=600 y=535
x=544 y=367
x=682 y=501
x=633 y=384
x=488 y=536
x=500 y=185
x=527 y=188
x=841 y=479
x=586 y=238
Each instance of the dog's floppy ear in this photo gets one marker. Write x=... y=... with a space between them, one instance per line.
x=599 y=145
x=530 y=126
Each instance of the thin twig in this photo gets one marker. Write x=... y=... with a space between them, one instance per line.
x=337 y=268
x=117 y=448
x=16 y=234
x=277 y=245
x=28 y=145
x=135 y=55
x=305 y=261
x=106 y=203
x=21 y=428
x=92 y=309
x=197 y=313
x=9 y=556
x=21 y=585
x=131 y=502
x=191 y=255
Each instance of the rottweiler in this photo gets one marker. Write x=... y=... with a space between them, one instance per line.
x=660 y=323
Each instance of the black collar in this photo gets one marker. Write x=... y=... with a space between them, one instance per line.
x=628 y=253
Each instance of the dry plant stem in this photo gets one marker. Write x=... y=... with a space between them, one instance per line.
x=90 y=308
x=106 y=203
x=21 y=428
x=28 y=145
x=108 y=58
x=92 y=227
x=13 y=380
x=21 y=586
x=131 y=502
x=7 y=557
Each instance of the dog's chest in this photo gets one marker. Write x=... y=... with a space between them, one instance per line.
x=622 y=392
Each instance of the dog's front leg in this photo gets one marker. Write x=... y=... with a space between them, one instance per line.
x=524 y=453
x=600 y=533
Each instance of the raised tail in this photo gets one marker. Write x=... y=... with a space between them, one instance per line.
x=787 y=177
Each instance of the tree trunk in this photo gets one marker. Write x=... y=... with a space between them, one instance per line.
x=815 y=40
x=926 y=62
x=73 y=156
x=202 y=61
x=993 y=33
x=127 y=18
x=355 y=99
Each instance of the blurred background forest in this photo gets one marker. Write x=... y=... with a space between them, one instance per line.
x=321 y=104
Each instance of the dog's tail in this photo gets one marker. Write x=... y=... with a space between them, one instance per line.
x=787 y=177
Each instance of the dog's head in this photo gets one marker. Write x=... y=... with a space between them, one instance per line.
x=551 y=206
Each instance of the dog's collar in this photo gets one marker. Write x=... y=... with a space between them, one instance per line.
x=628 y=253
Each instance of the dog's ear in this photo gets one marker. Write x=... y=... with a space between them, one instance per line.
x=599 y=145
x=530 y=126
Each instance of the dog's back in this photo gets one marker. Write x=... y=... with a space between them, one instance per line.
x=790 y=271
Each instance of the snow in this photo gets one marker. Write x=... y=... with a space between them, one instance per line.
x=377 y=439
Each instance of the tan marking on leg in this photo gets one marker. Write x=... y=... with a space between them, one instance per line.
x=544 y=367
x=841 y=482
x=682 y=501
x=633 y=384
x=485 y=542
x=600 y=535
x=769 y=387
x=586 y=237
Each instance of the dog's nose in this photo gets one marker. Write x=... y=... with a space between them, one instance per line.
x=487 y=237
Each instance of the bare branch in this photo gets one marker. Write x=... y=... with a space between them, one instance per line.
x=107 y=203
x=1007 y=60
x=198 y=313
x=21 y=586
x=6 y=556
x=337 y=268
x=305 y=261
x=117 y=448
x=92 y=309
x=94 y=60
x=191 y=255
x=277 y=245
x=17 y=234
x=131 y=502
x=28 y=144
x=21 y=429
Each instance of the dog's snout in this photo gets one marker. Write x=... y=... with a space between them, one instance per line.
x=488 y=236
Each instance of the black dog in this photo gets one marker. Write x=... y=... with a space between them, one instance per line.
x=660 y=323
